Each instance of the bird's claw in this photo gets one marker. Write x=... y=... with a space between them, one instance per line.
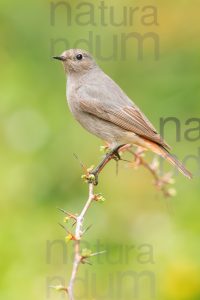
x=116 y=155
x=94 y=174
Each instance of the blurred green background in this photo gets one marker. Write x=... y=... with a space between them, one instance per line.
x=39 y=172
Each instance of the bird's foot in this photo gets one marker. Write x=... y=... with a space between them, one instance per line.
x=113 y=154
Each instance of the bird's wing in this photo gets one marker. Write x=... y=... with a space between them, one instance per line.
x=127 y=117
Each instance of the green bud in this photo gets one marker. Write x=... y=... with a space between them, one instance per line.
x=58 y=288
x=66 y=219
x=172 y=192
x=99 y=198
x=68 y=238
x=86 y=252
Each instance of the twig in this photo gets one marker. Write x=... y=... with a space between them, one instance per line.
x=91 y=177
x=161 y=182
x=78 y=234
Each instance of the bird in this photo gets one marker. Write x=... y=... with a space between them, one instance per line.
x=103 y=108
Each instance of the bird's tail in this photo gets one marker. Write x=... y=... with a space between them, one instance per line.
x=173 y=160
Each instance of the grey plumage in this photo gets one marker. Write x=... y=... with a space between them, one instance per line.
x=104 y=110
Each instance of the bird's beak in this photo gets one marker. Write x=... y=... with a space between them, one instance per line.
x=62 y=58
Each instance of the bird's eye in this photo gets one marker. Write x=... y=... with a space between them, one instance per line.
x=79 y=56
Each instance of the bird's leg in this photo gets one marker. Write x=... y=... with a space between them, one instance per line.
x=113 y=154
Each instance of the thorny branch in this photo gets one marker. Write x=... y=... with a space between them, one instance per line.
x=91 y=177
x=78 y=233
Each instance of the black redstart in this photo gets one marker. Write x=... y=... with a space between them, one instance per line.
x=104 y=110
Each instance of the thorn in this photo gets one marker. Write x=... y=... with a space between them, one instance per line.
x=126 y=160
x=83 y=258
x=98 y=253
x=62 y=226
x=72 y=216
x=117 y=167
x=62 y=210
x=84 y=231
x=58 y=288
x=65 y=228
x=73 y=224
x=80 y=162
x=84 y=261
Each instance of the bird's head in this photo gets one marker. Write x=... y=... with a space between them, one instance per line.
x=76 y=60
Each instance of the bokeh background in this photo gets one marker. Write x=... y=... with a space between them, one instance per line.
x=39 y=173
